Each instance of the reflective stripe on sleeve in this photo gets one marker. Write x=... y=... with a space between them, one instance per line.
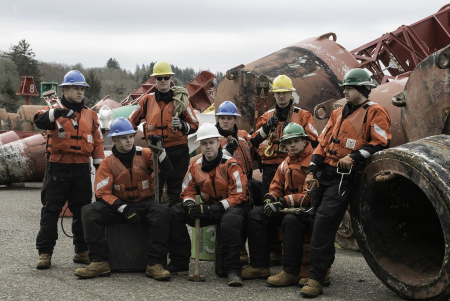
x=313 y=129
x=225 y=204
x=380 y=131
x=194 y=120
x=102 y=184
x=292 y=200
x=237 y=177
x=364 y=153
x=186 y=181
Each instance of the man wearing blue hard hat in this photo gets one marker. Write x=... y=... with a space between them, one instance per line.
x=73 y=136
x=125 y=193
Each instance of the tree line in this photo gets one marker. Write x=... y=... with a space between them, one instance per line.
x=109 y=80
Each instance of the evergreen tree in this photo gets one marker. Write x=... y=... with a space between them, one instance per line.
x=23 y=57
x=112 y=63
x=92 y=94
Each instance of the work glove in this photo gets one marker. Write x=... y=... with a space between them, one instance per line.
x=176 y=123
x=231 y=146
x=201 y=211
x=188 y=204
x=66 y=113
x=131 y=215
x=272 y=122
x=154 y=139
x=271 y=207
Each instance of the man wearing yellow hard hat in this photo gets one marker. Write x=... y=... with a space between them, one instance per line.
x=268 y=130
x=168 y=114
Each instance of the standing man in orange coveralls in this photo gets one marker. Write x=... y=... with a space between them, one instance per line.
x=354 y=133
x=124 y=192
x=67 y=175
x=159 y=110
x=268 y=130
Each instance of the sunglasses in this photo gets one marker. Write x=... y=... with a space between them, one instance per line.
x=160 y=78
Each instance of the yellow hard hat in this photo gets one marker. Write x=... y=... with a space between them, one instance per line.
x=282 y=83
x=162 y=68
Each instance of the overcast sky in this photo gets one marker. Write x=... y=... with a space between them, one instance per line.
x=214 y=35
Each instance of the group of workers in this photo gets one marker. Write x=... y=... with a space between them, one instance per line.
x=300 y=169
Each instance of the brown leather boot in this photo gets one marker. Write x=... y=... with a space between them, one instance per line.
x=94 y=269
x=157 y=272
x=311 y=289
x=326 y=281
x=82 y=257
x=244 y=256
x=252 y=273
x=44 y=262
x=283 y=279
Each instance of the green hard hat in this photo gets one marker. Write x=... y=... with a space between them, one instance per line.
x=293 y=130
x=357 y=77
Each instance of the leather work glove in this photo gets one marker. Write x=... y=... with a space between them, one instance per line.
x=188 y=204
x=271 y=207
x=310 y=180
x=231 y=146
x=272 y=122
x=66 y=113
x=131 y=215
x=154 y=139
x=201 y=211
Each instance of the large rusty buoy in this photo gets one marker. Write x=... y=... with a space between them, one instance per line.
x=401 y=218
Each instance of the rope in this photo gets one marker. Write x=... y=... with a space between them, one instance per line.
x=180 y=100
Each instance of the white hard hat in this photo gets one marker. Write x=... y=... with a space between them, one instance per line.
x=207 y=130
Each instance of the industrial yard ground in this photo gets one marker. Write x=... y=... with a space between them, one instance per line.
x=20 y=207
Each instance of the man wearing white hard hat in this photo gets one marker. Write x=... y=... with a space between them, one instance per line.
x=222 y=185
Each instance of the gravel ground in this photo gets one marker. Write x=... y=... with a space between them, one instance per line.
x=351 y=279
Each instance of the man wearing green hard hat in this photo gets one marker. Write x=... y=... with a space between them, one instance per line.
x=353 y=134
x=287 y=190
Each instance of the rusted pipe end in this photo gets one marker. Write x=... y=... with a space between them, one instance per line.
x=442 y=59
x=320 y=112
x=399 y=100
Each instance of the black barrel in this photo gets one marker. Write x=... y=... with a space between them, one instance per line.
x=401 y=218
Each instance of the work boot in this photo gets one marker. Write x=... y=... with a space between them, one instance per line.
x=234 y=280
x=244 y=256
x=157 y=272
x=176 y=270
x=82 y=257
x=283 y=279
x=94 y=269
x=252 y=273
x=326 y=281
x=276 y=259
x=312 y=289
x=44 y=262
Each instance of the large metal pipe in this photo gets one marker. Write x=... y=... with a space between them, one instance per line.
x=22 y=160
x=316 y=66
x=425 y=101
x=12 y=136
x=26 y=117
x=401 y=218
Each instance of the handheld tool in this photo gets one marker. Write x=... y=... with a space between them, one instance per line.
x=197 y=277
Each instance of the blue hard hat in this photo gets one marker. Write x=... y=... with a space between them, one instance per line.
x=227 y=108
x=74 y=78
x=121 y=126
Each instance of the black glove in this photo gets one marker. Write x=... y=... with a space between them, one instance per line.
x=217 y=211
x=131 y=215
x=231 y=146
x=188 y=204
x=273 y=122
x=271 y=207
x=200 y=211
x=66 y=113
x=153 y=139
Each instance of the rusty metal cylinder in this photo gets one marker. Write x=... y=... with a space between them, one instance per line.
x=401 y=218
x=12 y=122
x=26 y=117
x=316 y=67
x=22 y=160
x=425 y=101
x=12 y=136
